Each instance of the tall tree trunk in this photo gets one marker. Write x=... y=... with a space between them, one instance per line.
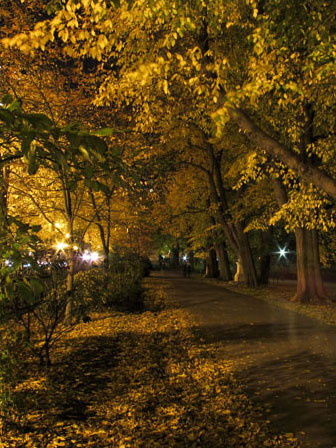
x=310 y=287
x=191 y=258
x=222 y=256
x=105 y=238
x=234 y=232
x=175 y=256
x=4 y=182
x=223 y=262
x=265 y=257
x=70 y=254
x=304 y=168
x=249 y=273
x=70 y=286
x=211 y=264
x=105 y=245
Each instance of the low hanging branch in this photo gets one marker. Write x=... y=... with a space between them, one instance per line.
x=303 y=168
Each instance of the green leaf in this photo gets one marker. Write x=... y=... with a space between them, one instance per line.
x=55 y=132
x=88 y=172
x=32 y=164
x=26 y=142
x=72 y=185
x=25 y=292
x=35 y=228
x=74 y=139
x=103 y=187
x=104 y=132
x=6 y=116
x=93 y=184
x=96 y=146
x=36 y=286
x=39 y=121
x=7 y=99
x=85 y=153
x=16 y=104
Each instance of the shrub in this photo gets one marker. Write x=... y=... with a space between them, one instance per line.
x=8 y=374
x=97 y=288
x=145 y=266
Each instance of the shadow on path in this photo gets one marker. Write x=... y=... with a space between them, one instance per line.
x=286 y=361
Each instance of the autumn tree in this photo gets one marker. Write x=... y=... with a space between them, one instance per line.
x=266 y=68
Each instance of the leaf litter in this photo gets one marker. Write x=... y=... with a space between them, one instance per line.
x=137 y=380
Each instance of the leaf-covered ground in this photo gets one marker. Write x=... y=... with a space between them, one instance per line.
x=136 y=380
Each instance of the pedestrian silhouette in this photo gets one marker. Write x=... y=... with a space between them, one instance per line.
x=184 y=269
x=188 y=268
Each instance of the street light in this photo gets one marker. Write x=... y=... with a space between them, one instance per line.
x=282 y=252
x=61 y=246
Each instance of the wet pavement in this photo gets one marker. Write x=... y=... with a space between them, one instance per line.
x=286 y=361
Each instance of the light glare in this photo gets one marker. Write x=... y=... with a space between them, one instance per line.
x=61 y=246
x=94 y=256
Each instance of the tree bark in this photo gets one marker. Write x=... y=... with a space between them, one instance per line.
x=310 y=287
x=211 y=264
x=70 y=284
x=303 y=168
x=265 y=257
x=175 y=256
x=234 y=232
x=191 y=259
x=4 y=183
x=223 y=262
x=245 y=256
x=70 y=254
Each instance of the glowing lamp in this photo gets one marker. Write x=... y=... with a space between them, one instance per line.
x=61 y=246
x=86 y=257
x=94 y=256
x=282 y=252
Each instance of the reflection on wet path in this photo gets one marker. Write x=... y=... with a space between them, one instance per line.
x=287 y=361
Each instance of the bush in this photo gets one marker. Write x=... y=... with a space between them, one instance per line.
x=146 y=266
x=8 y=375
x=96 y=288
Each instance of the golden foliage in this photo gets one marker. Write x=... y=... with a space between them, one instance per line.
x=138 y=380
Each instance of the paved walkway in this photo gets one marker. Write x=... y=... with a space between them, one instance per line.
x=286 y=361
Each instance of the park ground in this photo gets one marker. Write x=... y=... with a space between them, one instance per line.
x=206 y=366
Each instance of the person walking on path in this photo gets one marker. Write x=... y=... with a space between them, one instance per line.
x=184 y=269
x=188 y=270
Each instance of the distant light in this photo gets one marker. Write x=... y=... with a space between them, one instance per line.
x=67 y=235
x=86 y=257
x=185 y=258
x=57 y=225
x=75 y=248
x=282 y=252
x=61 y=246
x=94 y=256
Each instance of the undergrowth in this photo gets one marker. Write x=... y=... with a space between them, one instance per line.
x=137 y=380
